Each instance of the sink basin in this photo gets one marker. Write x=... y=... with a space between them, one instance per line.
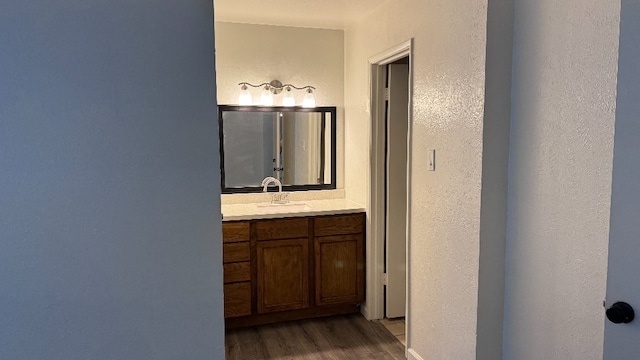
x=282 y=208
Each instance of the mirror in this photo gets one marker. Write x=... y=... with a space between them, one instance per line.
x=293 y=144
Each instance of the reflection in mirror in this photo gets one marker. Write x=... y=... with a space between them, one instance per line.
x=295 y=145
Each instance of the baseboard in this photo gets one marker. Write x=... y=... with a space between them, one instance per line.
x=413 y=355
x=366 y=313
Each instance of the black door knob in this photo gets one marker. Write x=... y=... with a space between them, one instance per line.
x=620 y=312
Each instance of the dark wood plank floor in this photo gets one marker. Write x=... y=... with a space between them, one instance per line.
x=347 y=337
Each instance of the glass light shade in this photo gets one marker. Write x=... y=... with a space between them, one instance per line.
x=267 y=98
x=309 y=100
x=288 y=99
x=245 y=97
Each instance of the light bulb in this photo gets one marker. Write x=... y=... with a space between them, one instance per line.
x=245 y=97
x=309 y=100
x=288 y=99
x=267 y=98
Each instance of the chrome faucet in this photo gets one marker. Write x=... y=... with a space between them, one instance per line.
x=268 y=180
x=279 y=197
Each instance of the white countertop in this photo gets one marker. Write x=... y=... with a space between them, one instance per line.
x=250 y=211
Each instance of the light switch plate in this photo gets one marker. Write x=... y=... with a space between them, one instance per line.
x=431 y=166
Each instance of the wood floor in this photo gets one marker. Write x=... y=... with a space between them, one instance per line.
x=348 y=337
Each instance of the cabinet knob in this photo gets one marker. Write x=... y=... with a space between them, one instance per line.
x=620 y=313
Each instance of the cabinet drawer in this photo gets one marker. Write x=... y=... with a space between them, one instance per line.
x=237 y=299
x=282 y=229
x=237 y=272
x=236 y=252
x=235 y=231
x=338 y=225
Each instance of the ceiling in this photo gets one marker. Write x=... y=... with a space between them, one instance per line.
x=326 y=14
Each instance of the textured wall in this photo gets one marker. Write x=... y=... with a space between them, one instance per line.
x=300 y=56
x=448 y=75
x=563 y=101
x=109 y=190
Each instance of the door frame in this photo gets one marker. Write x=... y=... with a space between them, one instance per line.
x=374 y=307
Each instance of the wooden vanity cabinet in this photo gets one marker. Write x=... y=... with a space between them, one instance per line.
x=236 y=256
x=282 y=264
x=339 y=259
x=293 y=268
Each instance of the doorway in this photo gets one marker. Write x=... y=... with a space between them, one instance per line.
x=396 y=124
x=389 y=197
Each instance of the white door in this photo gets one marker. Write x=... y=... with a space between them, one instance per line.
x=622 y=341
x=396 y=198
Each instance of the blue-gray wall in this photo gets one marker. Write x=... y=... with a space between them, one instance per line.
x=495 y=163
x=109 y=181
x=621 y=340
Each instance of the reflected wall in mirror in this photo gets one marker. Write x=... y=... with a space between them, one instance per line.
x=295 y=145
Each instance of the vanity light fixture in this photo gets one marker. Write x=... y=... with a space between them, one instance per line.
x=245 y=96
x=266 y=98
x=275 y=87
x=309 y=100
x=288 y=99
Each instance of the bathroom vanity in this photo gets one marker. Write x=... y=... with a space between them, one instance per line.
x=292 y=265
x=286 y=260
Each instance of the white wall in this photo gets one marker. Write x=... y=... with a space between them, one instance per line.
x=300 y=56
x=563 y=101
x=111 y=246
x=449 y=67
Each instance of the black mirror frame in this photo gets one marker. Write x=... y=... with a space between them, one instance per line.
x=257 y=189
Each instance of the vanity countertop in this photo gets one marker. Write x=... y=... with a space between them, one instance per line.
x=251 y=211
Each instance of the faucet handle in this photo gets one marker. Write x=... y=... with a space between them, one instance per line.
x=280 y=198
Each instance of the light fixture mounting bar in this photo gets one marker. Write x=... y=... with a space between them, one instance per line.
x=275 y=86
x=299 y=88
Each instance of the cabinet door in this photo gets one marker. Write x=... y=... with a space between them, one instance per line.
x=339 y=273
x=283 y=275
